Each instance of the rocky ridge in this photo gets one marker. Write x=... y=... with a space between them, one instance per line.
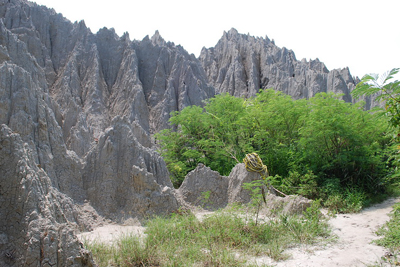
x=242 y=64
x=77 y=114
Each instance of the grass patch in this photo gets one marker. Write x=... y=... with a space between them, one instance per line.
x=391 y=231
x=350 y=201
x=225 y=238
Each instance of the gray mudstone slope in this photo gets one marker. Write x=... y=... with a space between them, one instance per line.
x=80 y=110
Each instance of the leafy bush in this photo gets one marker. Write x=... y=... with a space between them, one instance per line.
x=382 y=88
x=340 y=140
x=296 y=183
x=306 y=144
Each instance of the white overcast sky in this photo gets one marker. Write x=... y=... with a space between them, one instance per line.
x=363 y=35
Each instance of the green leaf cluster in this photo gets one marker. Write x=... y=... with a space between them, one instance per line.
x=384 y=90
x=306 y=144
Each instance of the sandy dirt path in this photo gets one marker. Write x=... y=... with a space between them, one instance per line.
x=353 y=247
x=111 y=232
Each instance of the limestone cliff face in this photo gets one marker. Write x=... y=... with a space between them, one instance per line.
x=241 y=65
x=35 y=229
x=85 y=102
x=76 y=105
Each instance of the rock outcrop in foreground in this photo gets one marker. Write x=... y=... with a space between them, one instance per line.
x=77 y=114
x=210 y=190
x=221 y=190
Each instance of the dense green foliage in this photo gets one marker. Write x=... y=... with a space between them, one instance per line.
x=316 y=147
x=387 y=91
x=184 y=240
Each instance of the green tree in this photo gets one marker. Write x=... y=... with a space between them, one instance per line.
x=179 y=148
x=271 y=126
x=340 y=140
x=225 y=132
x=209 y=135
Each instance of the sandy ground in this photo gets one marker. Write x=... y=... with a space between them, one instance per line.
x=111 y=232
x=353 y=247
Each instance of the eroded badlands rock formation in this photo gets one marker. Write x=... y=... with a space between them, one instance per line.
x=77 y=114
x=242 y=64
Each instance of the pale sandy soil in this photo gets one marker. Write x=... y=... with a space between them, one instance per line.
x=111 y=232
x=353 y=246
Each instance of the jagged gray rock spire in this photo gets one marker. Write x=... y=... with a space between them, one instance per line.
x=79 y=108
x=171 y=79
x=62 y=89
x=242 y=64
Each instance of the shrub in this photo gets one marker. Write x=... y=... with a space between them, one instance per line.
x=306 y=144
